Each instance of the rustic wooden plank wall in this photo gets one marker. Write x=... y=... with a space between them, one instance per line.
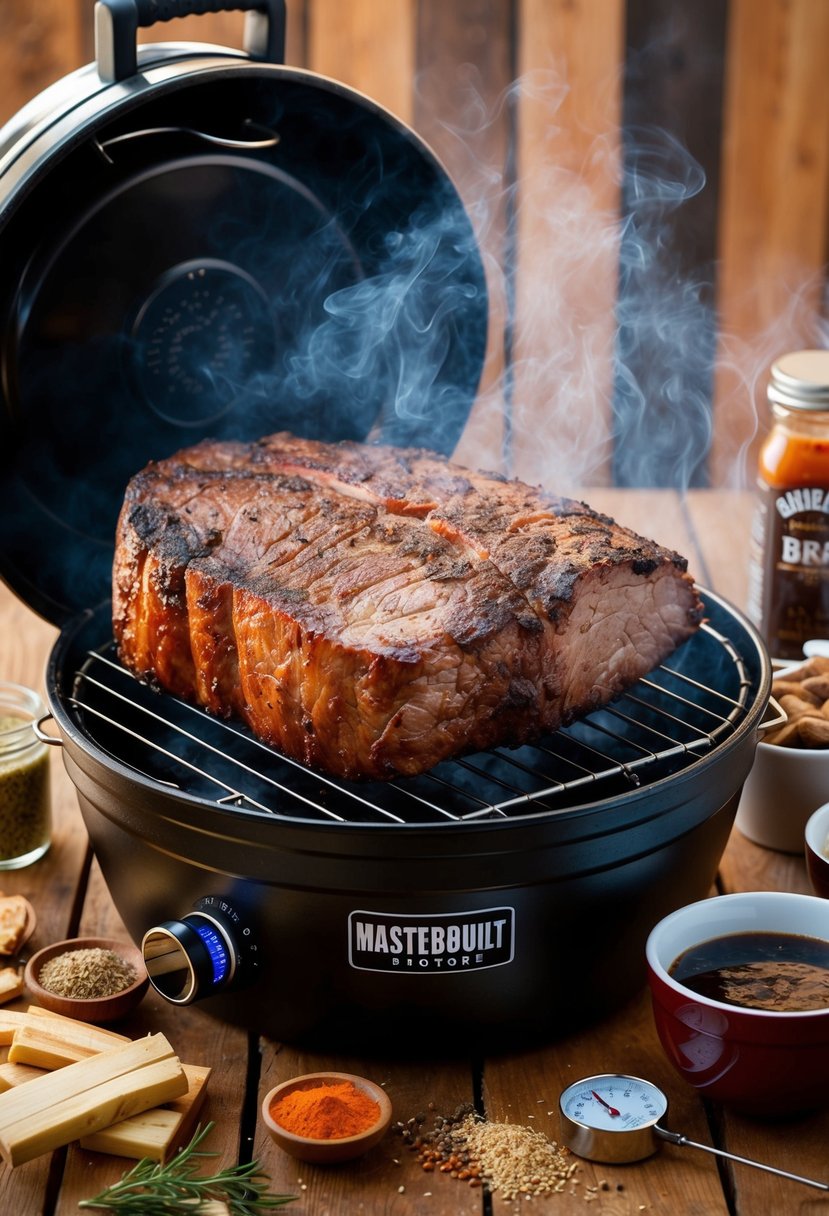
x=649 y=181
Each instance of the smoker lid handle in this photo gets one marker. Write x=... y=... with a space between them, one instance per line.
x=117 y=23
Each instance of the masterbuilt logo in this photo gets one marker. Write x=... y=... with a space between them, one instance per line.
x=462 y=941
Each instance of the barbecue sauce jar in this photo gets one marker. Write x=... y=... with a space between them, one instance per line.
x=789 y=553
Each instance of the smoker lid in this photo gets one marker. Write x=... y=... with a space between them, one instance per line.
x=224 y=249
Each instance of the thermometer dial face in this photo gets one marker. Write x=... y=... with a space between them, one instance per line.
x=610 y=1117
x=614 y=1101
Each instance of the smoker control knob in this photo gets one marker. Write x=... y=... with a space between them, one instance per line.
x=199 y=955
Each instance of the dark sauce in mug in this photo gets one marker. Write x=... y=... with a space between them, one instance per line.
x=773 y=971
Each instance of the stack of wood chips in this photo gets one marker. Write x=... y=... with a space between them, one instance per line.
x=65 y=1080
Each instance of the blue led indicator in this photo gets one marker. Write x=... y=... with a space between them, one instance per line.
x=217 y=950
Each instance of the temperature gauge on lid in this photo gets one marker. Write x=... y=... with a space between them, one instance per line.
x=611 y=1117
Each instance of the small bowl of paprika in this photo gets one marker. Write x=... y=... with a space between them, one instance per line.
x=326 y=1117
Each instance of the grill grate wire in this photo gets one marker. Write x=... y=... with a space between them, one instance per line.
x=666 y=722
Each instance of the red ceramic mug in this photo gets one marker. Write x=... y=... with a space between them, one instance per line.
x=760 y=1061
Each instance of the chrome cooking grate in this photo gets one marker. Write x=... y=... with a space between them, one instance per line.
x=663 y=724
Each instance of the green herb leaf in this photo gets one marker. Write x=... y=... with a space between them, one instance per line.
x=152 y=1189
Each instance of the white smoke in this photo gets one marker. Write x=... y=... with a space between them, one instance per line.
x=616 y=365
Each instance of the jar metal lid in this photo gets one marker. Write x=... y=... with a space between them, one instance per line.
x=800 y=380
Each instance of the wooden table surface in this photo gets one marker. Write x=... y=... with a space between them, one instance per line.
x=711 y=528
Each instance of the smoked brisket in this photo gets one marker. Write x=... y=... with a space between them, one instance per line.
x=372 y=611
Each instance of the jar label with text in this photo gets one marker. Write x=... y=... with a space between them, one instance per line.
x=789 y=568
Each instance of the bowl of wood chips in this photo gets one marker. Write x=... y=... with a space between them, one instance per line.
x=790 y=776
x=93 y=979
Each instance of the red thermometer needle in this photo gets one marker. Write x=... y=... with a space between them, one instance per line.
x=611 y=1109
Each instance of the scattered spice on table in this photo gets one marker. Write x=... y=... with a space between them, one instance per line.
x=331 y=1110
x=86 y=974
x=510 y=1158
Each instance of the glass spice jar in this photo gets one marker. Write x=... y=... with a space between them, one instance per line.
x=25 y=796
x=789 y=553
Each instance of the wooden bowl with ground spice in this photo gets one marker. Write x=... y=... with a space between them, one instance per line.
x=95 y=979
x=327 y=1117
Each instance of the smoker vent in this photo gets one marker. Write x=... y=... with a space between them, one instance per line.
x=664 y=724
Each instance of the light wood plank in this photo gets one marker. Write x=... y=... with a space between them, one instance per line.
x=749 y=867
x=464 y=112
x=797 y=1145
x=774 y=207
x=296 y=33
x=369 y=46
x=40 y=41
x=570 y=55
x=722 y=525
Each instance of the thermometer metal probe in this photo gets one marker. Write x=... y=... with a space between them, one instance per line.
x=614 y=1118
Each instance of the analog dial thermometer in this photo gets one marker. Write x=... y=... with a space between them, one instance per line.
x=612 y=1117
x=615 y=1118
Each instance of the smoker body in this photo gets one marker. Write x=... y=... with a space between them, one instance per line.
x=354 y=933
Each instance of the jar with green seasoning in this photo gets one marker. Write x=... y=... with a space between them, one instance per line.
x=25 y=797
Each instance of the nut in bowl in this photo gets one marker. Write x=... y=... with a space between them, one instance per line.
x=327 y=1117
x=740 y=991
x=93 y=979
x=817 y=850
x=790 y=775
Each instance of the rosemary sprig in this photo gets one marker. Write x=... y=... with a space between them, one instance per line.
x=152 y=1189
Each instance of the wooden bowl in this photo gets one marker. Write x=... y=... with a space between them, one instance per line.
x=89 y=1009
x=327 y=1152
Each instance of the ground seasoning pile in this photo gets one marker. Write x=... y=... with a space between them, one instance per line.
x=86 y=974
x=514 y=1160
x=329 y=1111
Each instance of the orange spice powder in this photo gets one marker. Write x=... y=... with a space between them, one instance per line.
x=326 y=1112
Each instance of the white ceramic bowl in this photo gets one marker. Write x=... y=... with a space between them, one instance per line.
x=785 y=785
x=817 y=850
